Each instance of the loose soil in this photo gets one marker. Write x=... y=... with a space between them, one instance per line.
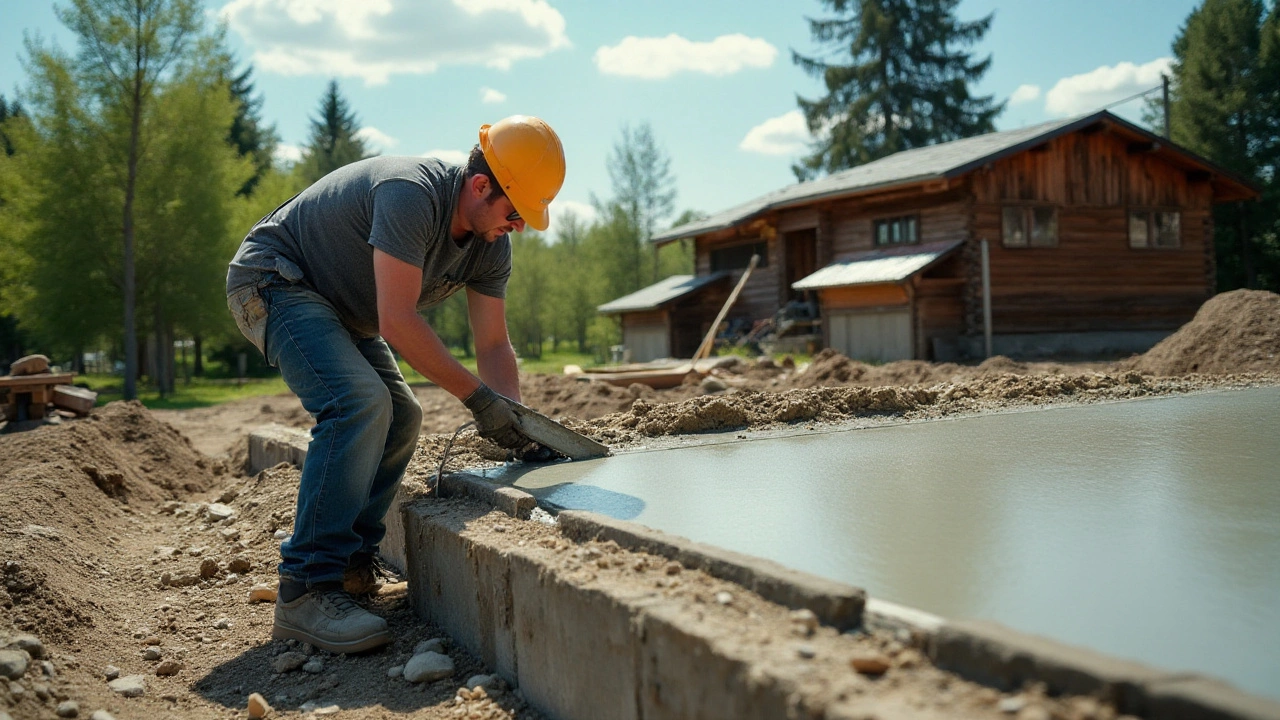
x=107 y=546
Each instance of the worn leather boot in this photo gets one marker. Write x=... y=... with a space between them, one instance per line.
x=328 y=618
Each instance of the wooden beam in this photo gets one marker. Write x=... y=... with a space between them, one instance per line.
x=1138 y=148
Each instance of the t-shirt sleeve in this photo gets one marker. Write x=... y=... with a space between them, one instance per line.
x=402 y=218
x=495 y=271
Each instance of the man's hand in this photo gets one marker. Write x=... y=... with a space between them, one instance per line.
x=495 y=420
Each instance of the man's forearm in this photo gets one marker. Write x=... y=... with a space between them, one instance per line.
x=419 y=345
x=497 y=366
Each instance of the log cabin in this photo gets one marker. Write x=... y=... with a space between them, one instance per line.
x=1098 y=240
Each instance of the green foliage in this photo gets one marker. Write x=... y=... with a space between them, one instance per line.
x=1225 y=105
x=529 y=293
x=248 y=133
x=903 y=83
x=333 y=141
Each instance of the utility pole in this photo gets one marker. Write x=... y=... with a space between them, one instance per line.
x=1164 y=87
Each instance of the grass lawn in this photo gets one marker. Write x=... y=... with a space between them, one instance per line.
x=200 y=392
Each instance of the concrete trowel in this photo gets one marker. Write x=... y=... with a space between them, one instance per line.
x=551 y=434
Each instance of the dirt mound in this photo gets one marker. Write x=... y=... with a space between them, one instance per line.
x=1235 y=332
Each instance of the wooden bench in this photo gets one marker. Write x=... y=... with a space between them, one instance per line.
x=27 y=392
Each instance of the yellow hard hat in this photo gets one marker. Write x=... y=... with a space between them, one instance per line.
x=527 y=158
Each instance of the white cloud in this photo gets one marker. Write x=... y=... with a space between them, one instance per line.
x=1024 y=94
x=489 y=95
x=457 y=157
x=375 y=39
x=585 y=212
x=288 y=154
x=787 y=134
x=376 y=139
x=656 y=58
x=1089 y=91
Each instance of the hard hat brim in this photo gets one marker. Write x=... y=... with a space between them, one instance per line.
x=536 y=218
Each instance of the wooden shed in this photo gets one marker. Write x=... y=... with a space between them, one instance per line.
x=668 y=318
x=1100 y=240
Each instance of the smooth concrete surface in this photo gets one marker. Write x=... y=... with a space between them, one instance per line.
x=1147 y=529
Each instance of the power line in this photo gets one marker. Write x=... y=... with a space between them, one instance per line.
x=1132 y=97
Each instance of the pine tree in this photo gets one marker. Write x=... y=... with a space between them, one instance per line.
x=644 y=192
x=1225 y=105
x=904 y=82
x=333 y=141
x=8 y=110
x=250 y=135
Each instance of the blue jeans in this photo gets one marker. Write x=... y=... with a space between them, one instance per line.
x=367 y=427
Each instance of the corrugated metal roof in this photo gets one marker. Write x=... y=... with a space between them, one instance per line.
x=888 y=265
x=659 y=293
x=935 y=162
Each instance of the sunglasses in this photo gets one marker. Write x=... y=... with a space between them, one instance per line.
x=514 y=217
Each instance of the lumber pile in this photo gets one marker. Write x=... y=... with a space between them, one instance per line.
x=30 y=388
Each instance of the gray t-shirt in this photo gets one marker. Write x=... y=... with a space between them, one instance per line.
x=325 y=236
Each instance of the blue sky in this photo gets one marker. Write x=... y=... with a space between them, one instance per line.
x=714 y=78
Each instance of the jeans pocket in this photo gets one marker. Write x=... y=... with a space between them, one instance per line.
x=250 y=312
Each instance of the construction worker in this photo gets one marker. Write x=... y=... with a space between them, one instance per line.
x=324 y=283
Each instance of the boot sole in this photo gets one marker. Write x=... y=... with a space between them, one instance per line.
x=282 y=631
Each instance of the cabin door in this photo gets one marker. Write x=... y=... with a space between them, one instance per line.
x=801 y=260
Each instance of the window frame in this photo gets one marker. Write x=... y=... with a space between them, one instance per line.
x=1027 y=211
x=1150 y=213
x=912 y=220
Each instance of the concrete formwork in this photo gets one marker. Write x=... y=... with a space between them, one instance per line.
x=583 y=652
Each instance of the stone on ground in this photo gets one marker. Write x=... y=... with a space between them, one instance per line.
x=31 y=644
x=484 y=681
x=313 y=666
x=101 y=715
x=870 y=664
x=288 y=661
x=13 y=663
x=219 y=512
x=435 y=645
x=151 y=653
x=258 y=707
x=68 y=709
x=262 y=593
x=111 y=672
x=427 y=667
x=129 y=686
x=169 y=667
x=395 y=671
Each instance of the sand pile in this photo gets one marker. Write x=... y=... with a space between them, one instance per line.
x=1235 y=332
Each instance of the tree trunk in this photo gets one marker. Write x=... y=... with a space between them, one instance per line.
x=130 y=290
x=198 y=350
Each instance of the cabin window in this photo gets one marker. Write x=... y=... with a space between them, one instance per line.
x=738 y=257
x=897 y=231
x=1030 y=226
x=1155 y=229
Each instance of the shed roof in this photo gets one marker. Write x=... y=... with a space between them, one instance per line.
x=659 y=293
x=882 y=265
x=942 y=161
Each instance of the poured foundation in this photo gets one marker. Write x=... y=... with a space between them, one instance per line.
x=1147 y=529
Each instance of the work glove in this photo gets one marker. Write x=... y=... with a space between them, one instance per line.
x=495 y=420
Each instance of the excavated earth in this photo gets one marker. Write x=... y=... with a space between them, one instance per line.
x=113 y=540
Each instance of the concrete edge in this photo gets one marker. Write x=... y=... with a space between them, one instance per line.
x=836 y=604
x=513 y=502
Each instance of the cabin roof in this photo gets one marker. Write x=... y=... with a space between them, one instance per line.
x=942 y=161
x=882 y=265
x=659 y=293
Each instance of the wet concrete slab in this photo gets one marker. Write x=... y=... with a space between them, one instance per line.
x=1146 y=529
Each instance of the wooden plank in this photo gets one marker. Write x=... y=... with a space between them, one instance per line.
x=18 y=383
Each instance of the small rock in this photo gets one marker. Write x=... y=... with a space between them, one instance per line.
x=1012 y=705
x=262 y=593
x=129 y=686
x=724 y=598
x=152 y=653
x=151 y=640
x=230 y=534
x=13 y=663
x=673 y=568
x=168 y=667
x=209 y=568
x=68 y=709
x=239 y=565
x=427 y=667
x=111 y=672
x=484 y=681
x=41 y=690
x=713 y=385
x=327 y=710
x=31 y=644
x=194 y=551
x=228 y=495
x=807 y=652
x=803 y=622
x=280 y=534
x=47 y=668
x=315 y=666
x=223 y=624
x=101 y=715
x=285 y=662
x=435 y=645
x=218 y=512
x=16 y=690
x=395 y=671
x=870 y=664
x=258 y=707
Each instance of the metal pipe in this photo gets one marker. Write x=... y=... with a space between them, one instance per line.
x=986 y=295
